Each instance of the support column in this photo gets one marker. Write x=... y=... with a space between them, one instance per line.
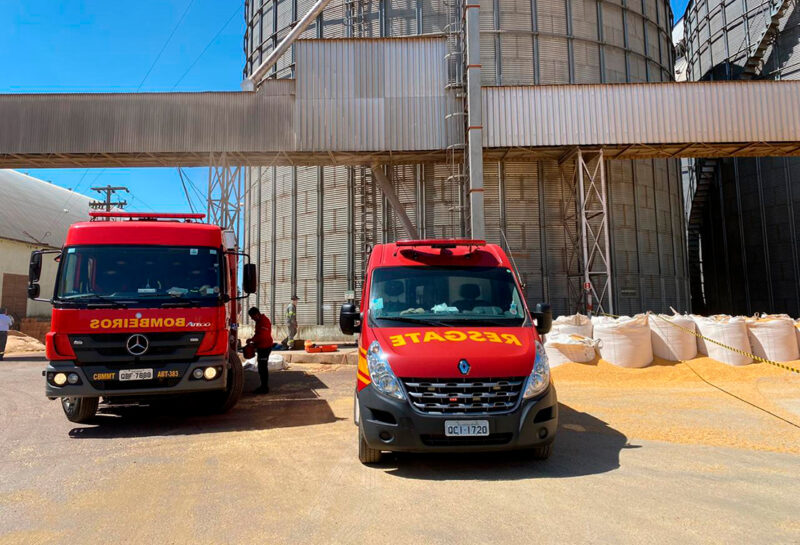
x=474 y=121
x=224 y=194
x=594 y=229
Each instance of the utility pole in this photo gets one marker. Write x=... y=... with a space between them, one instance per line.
x=107 y=204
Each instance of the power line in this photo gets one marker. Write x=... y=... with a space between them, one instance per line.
x=166 y=43
x=222 y=28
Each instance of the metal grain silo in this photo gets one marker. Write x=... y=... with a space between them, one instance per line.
x=744 y=221
x=312 y=226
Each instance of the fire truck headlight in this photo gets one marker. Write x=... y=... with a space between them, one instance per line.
x=383 y=378
x=73 y=378
x=197 y=373
x=60 y=379
x=540 y=376
x=210 y=373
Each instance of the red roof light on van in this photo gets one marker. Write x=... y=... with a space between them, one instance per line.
x=440 y=243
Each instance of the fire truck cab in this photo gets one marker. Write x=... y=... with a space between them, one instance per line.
x=450 y=357
x=144 y=305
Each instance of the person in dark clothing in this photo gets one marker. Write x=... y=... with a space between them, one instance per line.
x=262 y=339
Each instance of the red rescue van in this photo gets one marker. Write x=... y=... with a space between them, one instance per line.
x=450 y=357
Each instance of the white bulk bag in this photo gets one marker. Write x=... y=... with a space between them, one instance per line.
x=276 y=363
x=773 y=338
x=670 y=342
x=701 y=343
x=797 y=329
x=624 y=341
x=569 y=348
x=576 y=324
x=730 y=331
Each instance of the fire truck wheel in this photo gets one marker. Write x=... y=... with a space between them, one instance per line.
x=367 y=455
x=541 y=453
x=79 y=409
x=223 y=402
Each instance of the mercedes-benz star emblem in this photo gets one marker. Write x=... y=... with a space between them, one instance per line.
x=463 y=367
x=137 y=344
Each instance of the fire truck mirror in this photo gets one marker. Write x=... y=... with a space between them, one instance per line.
x=543 y=315
x=249 y=278
x=348 y=316
x=35 y=268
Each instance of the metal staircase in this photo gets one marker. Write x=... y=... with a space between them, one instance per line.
x=755 y=58
x=706 y=169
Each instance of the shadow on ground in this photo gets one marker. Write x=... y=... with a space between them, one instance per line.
x=293 y=401
x=585 y=445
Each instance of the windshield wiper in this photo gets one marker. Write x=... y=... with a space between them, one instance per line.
x=104 y=301
x=410 y=320
x=182 y=303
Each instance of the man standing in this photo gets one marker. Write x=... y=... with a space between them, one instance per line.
x=291 y=321
x=262 y=339
x=6 y=322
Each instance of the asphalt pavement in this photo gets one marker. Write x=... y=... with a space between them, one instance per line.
x=283 y=468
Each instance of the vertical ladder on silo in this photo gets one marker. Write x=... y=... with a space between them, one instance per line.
x=456 y=116
x=366 y=221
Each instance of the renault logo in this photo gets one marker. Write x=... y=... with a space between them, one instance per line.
x=137 y=344
x=463 y=367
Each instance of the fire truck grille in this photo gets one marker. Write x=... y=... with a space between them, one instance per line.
x=464 y=396
x=110 y=349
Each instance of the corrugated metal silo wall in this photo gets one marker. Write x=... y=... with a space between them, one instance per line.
x=523 y=42
x=751 y=226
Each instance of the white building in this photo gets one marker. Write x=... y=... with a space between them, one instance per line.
x=34 y=214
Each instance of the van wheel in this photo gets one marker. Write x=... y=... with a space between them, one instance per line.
x=367 y=455
x=541 y=453
x=80 y=409
x=222 y=402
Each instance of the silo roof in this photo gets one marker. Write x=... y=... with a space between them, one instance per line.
x=38 y=212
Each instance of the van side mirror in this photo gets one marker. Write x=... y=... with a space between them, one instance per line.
x=348 y=316
x=543 y=315
x=35 y=267
x=33 y=291
x=249 y=278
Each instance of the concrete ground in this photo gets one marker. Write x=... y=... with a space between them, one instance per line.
x=642 y=456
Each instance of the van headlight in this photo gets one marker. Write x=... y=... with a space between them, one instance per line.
x=540 y=376
x=381 y=374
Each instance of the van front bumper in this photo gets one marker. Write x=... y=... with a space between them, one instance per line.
x=94 y=381
x=392 y=424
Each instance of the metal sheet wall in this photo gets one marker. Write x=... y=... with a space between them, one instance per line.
x=523 y=42
x=750 y=235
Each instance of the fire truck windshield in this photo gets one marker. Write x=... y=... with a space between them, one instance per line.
x=149 y=275
x=445 y=296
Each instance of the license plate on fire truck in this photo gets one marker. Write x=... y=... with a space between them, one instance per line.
x=136 y=374
x=466 y=428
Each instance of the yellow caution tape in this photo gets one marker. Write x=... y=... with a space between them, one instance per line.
x=732 y=349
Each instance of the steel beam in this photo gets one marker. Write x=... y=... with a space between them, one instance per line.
x=224 y=200
x=388 y=191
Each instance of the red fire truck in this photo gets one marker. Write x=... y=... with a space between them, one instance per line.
x=450 y=357
x=144 y=304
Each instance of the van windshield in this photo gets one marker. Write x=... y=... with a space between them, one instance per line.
x=445 y=296
x=160 y=275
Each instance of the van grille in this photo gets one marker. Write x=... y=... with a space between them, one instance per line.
x=464 y=396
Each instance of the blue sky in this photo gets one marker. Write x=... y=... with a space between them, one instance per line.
x=100 y=45
x=106 y=46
